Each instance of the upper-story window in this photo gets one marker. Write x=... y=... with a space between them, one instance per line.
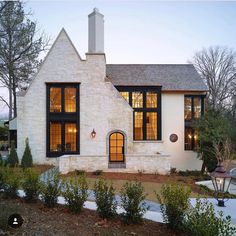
x=193 y=110
x=55 y=99
x=146 y=102
x=125 y=95
x=151 y=99
x=65 y=96
x=137 y=99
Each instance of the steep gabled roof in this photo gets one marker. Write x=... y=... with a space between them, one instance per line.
x=170 y=77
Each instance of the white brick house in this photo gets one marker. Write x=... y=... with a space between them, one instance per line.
x=86 y=114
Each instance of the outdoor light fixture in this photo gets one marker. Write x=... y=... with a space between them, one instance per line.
x=221 y=182
x=93 y=134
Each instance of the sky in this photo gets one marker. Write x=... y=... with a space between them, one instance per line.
x=145 y=32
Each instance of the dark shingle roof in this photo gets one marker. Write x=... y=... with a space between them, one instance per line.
x=170 y=77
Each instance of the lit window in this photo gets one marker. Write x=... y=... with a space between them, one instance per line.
x=188 y=108
x=62 y=119
x=55 y=137
x=70 y=137
x=197 y=107
x=70 y=99
x=116 y=153
x=151 y=99
x=125 y=95
x=138 y=125
x=189 y=139
x=137 y=99
x=151 y=125
x=55 y=99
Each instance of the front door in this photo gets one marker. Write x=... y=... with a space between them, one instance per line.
x=116 y=147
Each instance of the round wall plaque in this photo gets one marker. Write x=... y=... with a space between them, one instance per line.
x=173 y=138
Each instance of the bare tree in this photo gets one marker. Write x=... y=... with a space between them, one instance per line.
x=20 y=46
x=223 y=151
x=217 y=66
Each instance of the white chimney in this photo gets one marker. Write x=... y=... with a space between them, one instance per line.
x=95 y=32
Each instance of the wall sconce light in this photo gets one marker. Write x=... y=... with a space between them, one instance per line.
x=93 y=134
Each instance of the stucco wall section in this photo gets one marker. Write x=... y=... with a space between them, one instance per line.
x=172 y=122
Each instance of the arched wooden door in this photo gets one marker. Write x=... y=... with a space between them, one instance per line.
x=116 y=147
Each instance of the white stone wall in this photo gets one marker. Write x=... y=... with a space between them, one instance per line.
x=134 y=163
x=101 y=106
x=102 y=109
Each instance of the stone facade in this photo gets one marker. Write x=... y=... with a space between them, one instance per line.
x=103 y=109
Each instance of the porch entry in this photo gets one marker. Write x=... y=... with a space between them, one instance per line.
x=116 y=147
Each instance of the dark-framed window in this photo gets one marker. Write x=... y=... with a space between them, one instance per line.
x=116 y=147
x=146 y=103
x=194 y=106
x=63 y=115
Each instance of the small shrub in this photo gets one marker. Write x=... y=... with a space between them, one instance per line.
x=105 y=199
x=174 y=200
x=173 y=170
x=51 y=190
x=31 y=185
x=132 y=200
x=10 y=182
x=195 y=173
x=75 y=193
x=97 y=172
x=6 y=211
x=27 y=160
x=202 y=220
x=141 y=172
x=13 y=158
x=80 y=172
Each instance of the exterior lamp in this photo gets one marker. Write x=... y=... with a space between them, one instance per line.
x=93 y=134
x=221 y=182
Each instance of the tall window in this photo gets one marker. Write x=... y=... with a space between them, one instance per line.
x=193 y=110
x=146 y=102
x=62 y=119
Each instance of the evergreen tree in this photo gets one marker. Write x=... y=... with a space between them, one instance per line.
x=13 y=158
x=27 y=160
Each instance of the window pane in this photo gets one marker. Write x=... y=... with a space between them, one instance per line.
x=196 y=140
x=55 y=99
x=70 y=99
x=197 y=107
x=70 y=137
x=187 y=108
x=125 y=95
x=151 y=99
x=55 y=137
x=188 y=138
x=138 y=125
x=151 y=125
x=137 y=99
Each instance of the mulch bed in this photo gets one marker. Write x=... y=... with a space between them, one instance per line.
x=39 y=220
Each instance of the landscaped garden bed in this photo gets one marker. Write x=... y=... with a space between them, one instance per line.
x=40 y=220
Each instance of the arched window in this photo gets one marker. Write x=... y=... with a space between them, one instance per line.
x=116 y=147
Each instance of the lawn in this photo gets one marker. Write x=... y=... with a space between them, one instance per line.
x=151 y=182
